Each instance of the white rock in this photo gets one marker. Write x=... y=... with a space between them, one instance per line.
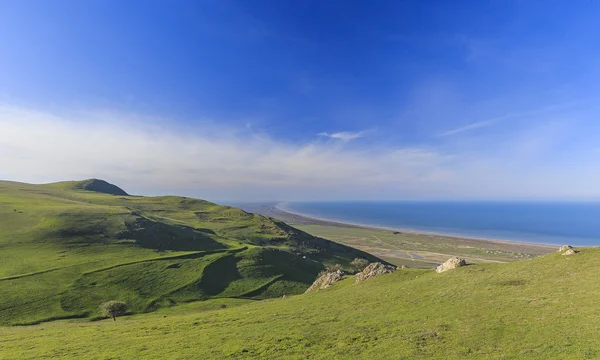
x=372 y=270
x=450 y=264
x=326 y=280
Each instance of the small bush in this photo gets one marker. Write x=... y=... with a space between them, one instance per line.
x=329 y=268
x=359 y=264
x=113 y=309
x=333 y=267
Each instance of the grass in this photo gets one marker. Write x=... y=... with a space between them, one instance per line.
x=542 y=308
x=64 y=250
x=207 y=281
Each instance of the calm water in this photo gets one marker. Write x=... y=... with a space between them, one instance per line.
x=550 y=223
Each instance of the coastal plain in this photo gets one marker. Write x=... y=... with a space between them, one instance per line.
x=402 y=247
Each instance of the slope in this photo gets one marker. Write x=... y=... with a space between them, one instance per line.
x=64 y=250
x=545 y=308
x=95 y=185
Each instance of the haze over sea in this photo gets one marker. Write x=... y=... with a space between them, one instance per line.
x=575 y=223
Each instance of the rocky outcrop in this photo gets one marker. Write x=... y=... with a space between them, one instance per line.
x=372 y=270
x=450 y=264
x=326 y=280
x=567 y=250
x=564 y=248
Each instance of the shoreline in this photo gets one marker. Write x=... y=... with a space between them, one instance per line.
x=332 y=222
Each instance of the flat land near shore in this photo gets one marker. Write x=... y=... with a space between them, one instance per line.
x=408 y=248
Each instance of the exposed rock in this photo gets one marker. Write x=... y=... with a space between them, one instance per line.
x=450 y=264
x=565 y=248
x=569 y=252
x=326 y=280
x=372 y=270
x=404 y=267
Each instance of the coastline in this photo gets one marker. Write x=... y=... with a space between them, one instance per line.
x=334 y=222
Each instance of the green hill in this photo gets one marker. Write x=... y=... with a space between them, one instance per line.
x=95 y=185
x=544 y=308
x=192 y=271
x=67 y=247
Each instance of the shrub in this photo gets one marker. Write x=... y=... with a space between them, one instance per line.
x=113 y=309
x=329 y=268
x=359 y=264
x=333 y=267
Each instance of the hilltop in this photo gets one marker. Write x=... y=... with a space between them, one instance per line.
x=67 y=247
x=542 y=308
x=95 y=185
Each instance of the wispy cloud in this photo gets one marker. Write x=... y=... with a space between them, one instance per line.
x=343 y=135
x=489 y=122
x=204 y=161
x=475 y=125
x=212 y=162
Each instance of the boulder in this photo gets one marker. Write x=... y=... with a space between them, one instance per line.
x=326 y=280
x=564 y=248
x=372 y=270
x=569 y=252
x=450 y=264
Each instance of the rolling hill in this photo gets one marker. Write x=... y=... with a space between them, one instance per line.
x=67 y=247
x=542 y=308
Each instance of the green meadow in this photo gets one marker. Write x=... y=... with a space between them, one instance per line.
x=67 y=247
x=544 y=308
x=204 y=281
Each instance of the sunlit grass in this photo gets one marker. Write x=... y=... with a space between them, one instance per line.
x=64 y=251
x=545 y=308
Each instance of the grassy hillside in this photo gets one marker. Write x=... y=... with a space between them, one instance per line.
x=543 y=308
x=67 y=247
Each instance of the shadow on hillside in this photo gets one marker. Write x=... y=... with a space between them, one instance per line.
x=217 y=276
x=161 y=236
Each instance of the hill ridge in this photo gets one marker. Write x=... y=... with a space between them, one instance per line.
x=100 y=186
x=64 y=251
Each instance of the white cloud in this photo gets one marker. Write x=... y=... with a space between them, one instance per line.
x=489 y=122
x=475 y=125
x=343 y=135
x=145 y=157
x=213 y=162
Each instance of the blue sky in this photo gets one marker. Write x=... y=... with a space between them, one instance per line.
x=304 y=100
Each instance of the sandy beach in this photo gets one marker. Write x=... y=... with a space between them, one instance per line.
x=405 y=246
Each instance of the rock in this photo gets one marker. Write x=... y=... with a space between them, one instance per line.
x=404 y=267
x=326 y=280
x=564 y=248
x=450 y=264
x=569 y=252
x=372 y=270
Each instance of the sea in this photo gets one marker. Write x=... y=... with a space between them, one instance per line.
x=574 y=223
